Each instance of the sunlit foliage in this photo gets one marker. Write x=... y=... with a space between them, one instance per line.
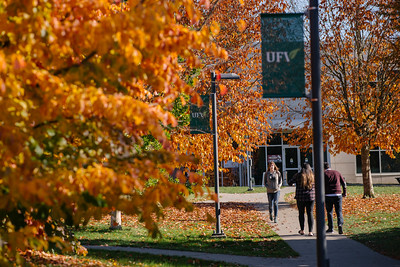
x=81 y=82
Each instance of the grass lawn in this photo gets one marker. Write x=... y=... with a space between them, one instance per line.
x=228 y=190
x=240 y=189
x=374 y=222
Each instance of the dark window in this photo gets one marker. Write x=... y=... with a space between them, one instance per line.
x=382 y=164
x=275 y=140
x=292 y=160
x=358 y=164
x=274 y=154
x=258 y=164
x=285 y=138
x=374 y=159
x=306 y=157
x=389 y=164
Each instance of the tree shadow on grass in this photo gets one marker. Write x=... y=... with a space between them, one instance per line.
x=100 y=230
x=385 y=241
x=263 y=248
x=152 y=259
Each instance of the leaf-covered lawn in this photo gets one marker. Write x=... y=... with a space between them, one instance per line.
x=246 y=229
x=101 y=258
x=39 y=258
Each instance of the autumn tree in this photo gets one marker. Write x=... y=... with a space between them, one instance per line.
x=81 y=83
x=391 y=10
x=360 y=91
x=243 y=116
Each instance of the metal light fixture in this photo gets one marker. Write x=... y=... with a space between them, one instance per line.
x=223 y=76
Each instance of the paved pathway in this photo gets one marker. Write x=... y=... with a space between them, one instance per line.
x=341 y=251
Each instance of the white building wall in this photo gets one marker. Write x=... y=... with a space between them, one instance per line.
x=346 y=165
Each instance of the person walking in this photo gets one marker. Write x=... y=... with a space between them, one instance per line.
x=305 y=196
x=333 y=197
x=273 y=183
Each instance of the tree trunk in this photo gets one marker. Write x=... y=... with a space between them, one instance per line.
x=366 y=172
x=116 y=220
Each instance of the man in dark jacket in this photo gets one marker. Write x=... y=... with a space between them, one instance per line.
x=333 y=196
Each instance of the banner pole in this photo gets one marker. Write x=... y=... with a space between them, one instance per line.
x=218 y=232
x=322 y=258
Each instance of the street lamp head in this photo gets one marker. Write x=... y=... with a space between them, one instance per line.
x=229 y=76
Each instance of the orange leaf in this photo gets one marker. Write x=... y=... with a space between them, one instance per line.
x=241 y=24
x=196 y=99
x=223 y=89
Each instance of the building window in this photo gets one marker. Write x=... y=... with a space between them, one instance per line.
x=275 y=140
x=277 y=143
x=381 y=162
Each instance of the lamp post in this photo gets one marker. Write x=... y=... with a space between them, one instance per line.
x=223 y=76
x=322 y=253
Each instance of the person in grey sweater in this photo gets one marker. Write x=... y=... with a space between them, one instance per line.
x=273 y=183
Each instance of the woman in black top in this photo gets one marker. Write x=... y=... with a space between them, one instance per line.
x=305 y=196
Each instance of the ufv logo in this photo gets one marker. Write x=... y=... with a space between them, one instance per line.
x=277 y=56
x=281 y=56
x=198 y=115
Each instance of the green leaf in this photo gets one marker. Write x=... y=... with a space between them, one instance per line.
x=293 y=53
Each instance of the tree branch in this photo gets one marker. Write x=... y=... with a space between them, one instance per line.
x=66 y=69
x=209 y=15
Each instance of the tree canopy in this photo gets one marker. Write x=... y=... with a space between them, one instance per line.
x=243 y=116
x=359 y=82
x=81 y=83
x=391 y=11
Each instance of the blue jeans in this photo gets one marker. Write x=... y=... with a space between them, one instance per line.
x=273 y=199
x=329 y=203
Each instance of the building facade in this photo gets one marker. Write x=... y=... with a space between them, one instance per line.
x=289 y=159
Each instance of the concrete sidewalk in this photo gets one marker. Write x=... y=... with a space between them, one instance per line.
x=341 y=251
